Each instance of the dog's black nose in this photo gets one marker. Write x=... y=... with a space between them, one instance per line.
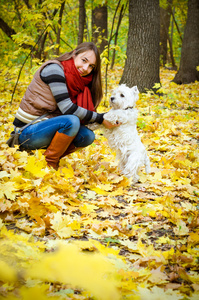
x=112 y=98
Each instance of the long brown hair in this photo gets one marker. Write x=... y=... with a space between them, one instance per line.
x=96 y=85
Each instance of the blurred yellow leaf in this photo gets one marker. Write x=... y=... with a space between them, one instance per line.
x=69 y=266
x=7 y=272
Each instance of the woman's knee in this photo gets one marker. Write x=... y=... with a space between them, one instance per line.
x=90 y=137
x=71 y=125
x=84 y=138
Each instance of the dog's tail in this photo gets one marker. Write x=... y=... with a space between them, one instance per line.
x=147 y=164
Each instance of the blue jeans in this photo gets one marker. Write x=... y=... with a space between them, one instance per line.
x=40 y=135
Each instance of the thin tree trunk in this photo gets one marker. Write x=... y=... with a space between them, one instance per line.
x=165 y=15
x=100 y=26
x=170 y=39
x=41 y=47
x=59 y=26
x=116 y=33
x=111 y=33
x=176 y=24
x=82 y=21
x=174 y=67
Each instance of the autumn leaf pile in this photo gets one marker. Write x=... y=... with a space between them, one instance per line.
x=85 y=231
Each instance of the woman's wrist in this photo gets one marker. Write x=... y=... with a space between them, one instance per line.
x=100 y=118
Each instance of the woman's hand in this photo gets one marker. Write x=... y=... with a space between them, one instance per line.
x=109 y=125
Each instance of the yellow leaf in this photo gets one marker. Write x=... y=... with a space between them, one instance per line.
x=157 y=85
x=105 y=187
x=4 y=174
x=19 y=250
x=100 y=191
x=90 y=194
x=165 y=240
x=168 y=254
x=143 y=178
x=8 y=189
x=35 y=167
x=158 y=176
x=88 y=208
x=105 y=250
x=111 y=232
x=193 y=238
x=60 y=223
x=181 y=228
x=36 y=292
x=188 y=206
x=157 y=293
x=158 y=277
x=119 y=191
x=7 y=272
x=69 y=266
x=132 y=246
x=68 y=172
x=1 y=223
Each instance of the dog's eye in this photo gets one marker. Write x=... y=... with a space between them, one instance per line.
x=121 y=95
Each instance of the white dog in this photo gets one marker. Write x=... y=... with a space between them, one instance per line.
x=124 y=139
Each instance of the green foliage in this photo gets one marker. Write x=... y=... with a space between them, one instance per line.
x=31 y=24
x=180 y=11
x=177 y=24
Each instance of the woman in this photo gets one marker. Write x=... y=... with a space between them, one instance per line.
x=69 y=89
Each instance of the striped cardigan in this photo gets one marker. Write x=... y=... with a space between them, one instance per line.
x=48 y=92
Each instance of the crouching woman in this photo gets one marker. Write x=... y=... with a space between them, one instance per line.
x=65 y=93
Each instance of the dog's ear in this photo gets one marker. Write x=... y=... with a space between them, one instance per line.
x=135 y=89
x=123 y=85
x=134 y=95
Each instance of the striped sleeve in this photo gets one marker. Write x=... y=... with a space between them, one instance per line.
x=53 y=75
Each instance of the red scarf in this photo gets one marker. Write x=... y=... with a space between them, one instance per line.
x=77 y=85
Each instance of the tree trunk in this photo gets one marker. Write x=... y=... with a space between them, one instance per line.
x=9 y=32
x=82 y=21
x=28 y=4
x=165 y=15
x=170 y=39
x=190 y=47
x=6 y=29
x=116 y=34
x=40 y=54
x=59 y=26
x=142 y=63
x=99 y=26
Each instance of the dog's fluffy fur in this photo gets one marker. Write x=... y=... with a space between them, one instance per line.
x=124 y=139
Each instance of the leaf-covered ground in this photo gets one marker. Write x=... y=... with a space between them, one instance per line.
x=85 y=231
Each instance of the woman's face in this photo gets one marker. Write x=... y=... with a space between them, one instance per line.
x=85 y=62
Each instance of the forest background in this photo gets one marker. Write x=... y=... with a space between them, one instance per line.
x=85 y=231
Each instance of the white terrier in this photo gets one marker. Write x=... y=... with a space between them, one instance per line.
x=124 y=139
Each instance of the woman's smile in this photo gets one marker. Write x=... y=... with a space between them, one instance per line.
x=85 y=62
